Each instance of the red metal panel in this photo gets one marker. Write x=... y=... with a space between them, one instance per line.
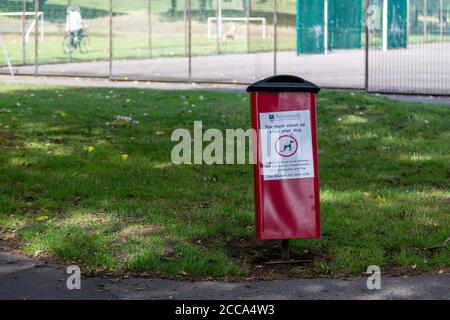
x=285 y=208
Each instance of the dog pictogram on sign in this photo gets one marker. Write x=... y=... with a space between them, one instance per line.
x=286 y=146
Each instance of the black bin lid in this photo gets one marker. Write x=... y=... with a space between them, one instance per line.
x=283 y=83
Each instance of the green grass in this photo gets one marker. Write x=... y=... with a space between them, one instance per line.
x=384 y=171
x=136 y=47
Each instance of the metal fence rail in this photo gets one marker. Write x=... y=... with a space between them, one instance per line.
x=379 y=45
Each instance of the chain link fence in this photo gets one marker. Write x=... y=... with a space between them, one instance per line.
x=398 y=46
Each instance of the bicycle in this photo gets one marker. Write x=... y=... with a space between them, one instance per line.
x=80 y=41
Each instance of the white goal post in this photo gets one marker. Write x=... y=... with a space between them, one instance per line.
x=40 y=17
x=243 y=19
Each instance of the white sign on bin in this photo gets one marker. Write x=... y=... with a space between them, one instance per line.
x=286 y=145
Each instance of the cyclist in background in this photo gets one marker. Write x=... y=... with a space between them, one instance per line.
x=74 y=24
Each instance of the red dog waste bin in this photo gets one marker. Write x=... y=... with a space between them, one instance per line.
x=285 y=171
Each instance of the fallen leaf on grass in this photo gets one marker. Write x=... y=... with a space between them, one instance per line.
x=77 y=200
x=37 y=253
x=41 y=218
x=124 y=118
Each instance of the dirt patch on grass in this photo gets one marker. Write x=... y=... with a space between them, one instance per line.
x=261 y=259
x=7 y=137
x=9 y=141
x=136 y=231
x=9 y=241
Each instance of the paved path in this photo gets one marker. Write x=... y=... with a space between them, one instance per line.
x=25 y=278
x=422 y=68
x=104 y=83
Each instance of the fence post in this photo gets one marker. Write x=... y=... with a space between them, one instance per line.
x=247 y=23
x=24 y=30
x=36 y=37
x=441 y=18
x=408 y=24
x=150 y=27
x=218 y=24
x=185 y=23
x=189 y=40
x=385 y=25
x=110 y=37
x=366 y=62
x=325 y=26
x=69 y=3
x=425 y=17
x=275 y=30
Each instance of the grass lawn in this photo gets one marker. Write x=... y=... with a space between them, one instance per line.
x=78 y=186
x=136 y=47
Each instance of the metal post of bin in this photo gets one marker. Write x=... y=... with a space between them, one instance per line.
x=36 y=37
x=286 y=251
